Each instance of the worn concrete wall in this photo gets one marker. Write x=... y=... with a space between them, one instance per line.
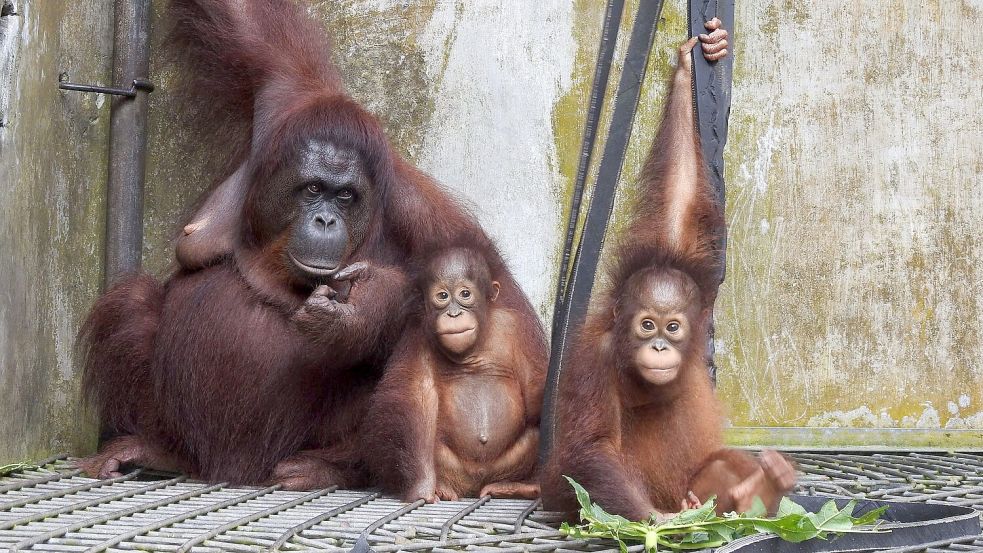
x=856 y=212
x=52 y=170
x=851 y=313
x=466 y=90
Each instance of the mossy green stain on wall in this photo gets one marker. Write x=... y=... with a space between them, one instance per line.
x=825 y=319
x=570 y=111
x=569 y=114
x=852 y=295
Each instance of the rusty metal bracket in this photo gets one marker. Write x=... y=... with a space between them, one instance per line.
x=138 y=84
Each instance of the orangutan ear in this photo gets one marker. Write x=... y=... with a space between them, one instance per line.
x=213 y=231
x=496 y=288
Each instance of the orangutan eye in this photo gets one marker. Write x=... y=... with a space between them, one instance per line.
x=442 y=296
x=465 y=293
x=345 y=195
x=648 y=325
x=673 y=327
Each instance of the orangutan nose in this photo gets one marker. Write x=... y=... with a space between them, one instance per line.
x=660 y=345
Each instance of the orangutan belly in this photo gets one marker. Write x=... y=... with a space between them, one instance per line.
x=481 y=416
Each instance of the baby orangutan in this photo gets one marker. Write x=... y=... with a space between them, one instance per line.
x=457 y=411
x=637 y=421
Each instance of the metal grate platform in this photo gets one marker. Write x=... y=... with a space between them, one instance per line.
x=56 y=509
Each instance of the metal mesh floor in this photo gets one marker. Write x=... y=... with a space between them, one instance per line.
x=56 y=509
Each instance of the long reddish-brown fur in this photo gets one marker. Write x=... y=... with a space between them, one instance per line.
x=403 y=425
x=636 y=448
x=208 y=369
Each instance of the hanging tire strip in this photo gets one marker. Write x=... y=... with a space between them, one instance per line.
x=55 y=509
x=572 y=304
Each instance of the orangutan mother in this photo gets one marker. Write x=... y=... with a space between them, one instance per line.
x=252 y=363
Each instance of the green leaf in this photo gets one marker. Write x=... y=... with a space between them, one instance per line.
x=794 y=528
x=723 y=532
x=16 y=467
x=758 y=509
x=833 y=519
x=690 y=516
x=696 y=537
x=590 y=510
x=701 y=528
x=582 y=496
x=789 y=507
x=652 y=541
x=870 y=516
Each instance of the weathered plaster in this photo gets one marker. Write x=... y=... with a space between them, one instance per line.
x=852 y=304
x=497 y=87
x=854 y=203
x=52 y=166
x=853 y=170
x=465 y=89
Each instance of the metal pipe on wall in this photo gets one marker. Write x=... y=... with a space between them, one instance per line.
x=128 y=140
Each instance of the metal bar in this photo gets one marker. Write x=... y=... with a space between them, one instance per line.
x=837 y=467
x=44 y=480
x=416 y=546
x=951 y=461
x=975 y=547
x=52 y=459
x=974 y=502
x=138 y=84
x=69 y=491
x=296 y=530
x=30 y=542
x=223 y=523
x=7 y=524
x=525 y=514
x=252 y=518
x=861 y=462
x=98 y=89
x=127 y=141
x=389 y=518
x=890 y=491
x=446 y=528
x=115 y=540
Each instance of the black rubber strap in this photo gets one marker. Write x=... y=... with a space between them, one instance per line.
x=910 y=524
x=711 y=95
x=602 y=70
x=711 y=87
x=576 y=296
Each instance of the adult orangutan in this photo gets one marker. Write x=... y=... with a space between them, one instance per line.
x=253 y=362
x=637 y=423
x=457 y=411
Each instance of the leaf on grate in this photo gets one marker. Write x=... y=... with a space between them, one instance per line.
x=702 y=528
x=6 y=470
